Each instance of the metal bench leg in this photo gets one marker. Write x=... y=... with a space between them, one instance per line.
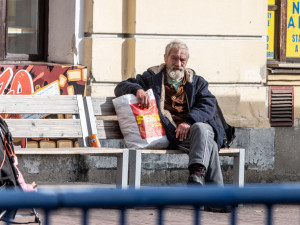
x=239 y=168
x=122 y=170
x=135 y=168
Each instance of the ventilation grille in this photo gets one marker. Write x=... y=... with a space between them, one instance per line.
x=281 y=106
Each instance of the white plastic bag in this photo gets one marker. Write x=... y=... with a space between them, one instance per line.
x=141 y=128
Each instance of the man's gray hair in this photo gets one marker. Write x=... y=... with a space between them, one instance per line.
x=177 y=44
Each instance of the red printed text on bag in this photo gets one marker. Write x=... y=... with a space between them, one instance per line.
x=148 y=120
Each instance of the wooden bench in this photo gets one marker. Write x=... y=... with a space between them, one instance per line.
x=103 y=121
x=32 y=107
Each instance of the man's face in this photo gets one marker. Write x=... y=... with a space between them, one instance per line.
x=176 y=63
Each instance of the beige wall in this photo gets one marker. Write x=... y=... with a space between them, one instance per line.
x=105 y=67
x=102 y=16
x=296 y=101
x=194 y=17
x=226 y=61
x=66 y=31
x=243 y=106
x=61 y=34
x=226 y=40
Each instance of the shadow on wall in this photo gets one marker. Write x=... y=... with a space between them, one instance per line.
x=239 y=113
x=128 y=58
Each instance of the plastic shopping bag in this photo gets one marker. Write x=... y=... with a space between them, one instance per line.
x=141 y=127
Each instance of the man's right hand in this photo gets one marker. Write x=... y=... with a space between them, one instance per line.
x=143 y=98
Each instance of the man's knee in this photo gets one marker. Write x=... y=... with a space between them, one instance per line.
x=199 y=128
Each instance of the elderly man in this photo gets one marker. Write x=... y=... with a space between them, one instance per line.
x=186 y=108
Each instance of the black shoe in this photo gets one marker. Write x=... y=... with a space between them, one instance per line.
x=196 y=180
x=219 y=209
x=197 y=174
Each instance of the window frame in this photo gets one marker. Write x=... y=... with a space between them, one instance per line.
x=3 y=28
x=280 y=36
x=42 y=44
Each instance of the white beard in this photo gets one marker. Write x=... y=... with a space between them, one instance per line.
x=176 y=73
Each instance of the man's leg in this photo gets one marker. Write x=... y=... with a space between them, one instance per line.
x=203 y=150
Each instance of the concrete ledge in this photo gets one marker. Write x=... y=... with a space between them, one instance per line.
x=166 y=169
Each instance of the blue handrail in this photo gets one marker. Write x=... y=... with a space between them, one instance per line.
x=267 y=194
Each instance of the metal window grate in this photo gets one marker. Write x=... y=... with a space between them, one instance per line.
x=281 y=106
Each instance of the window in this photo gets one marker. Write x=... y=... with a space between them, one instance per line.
x=283 y=41
x=22 y=24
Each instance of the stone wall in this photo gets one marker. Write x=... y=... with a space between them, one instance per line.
x=262 y=146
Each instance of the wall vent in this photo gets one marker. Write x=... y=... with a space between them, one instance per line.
x=281 y=106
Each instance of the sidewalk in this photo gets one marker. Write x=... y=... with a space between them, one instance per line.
x=246 y=215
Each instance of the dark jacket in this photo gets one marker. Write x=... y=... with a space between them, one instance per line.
x=202 y=104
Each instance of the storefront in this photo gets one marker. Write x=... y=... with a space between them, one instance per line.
x=39 y=49
x=283 y=61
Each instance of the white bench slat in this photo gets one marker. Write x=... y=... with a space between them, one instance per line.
x=102 y=106
x=68 y=151
x=83 y=121
x=108 y=129
x=222 y=152
x=48 y=128
x=31 y=99
x=38 y=104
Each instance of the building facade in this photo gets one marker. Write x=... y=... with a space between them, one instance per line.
x=236 y=45
x=227 y=47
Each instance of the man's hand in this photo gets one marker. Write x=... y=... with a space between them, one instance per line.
x=182 y=131
x=143 y=98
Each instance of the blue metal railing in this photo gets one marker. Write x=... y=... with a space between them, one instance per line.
x=267 y=194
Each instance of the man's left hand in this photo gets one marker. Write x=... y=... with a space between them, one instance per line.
x=182 y=131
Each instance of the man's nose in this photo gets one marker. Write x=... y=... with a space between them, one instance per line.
x=178 y=63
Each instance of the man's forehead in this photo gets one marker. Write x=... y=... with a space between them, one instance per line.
x=177 y=51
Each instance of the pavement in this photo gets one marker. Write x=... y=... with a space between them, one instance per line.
x=246 y=214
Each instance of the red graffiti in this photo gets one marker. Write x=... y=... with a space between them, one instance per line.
x=21 y=84
x=5 y=79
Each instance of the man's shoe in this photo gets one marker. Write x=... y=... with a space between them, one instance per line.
x=196 y=180
x=197 y=174
x=219 y=209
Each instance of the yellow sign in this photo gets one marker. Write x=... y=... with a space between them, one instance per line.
x=271 y=2
x=293 y=29
x=271 y=34
x=271 y=31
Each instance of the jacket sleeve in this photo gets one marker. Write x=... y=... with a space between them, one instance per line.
x=131 y=85
x=204 y=105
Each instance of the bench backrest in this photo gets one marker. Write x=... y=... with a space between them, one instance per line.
x=33 y=107
x=104 y=119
